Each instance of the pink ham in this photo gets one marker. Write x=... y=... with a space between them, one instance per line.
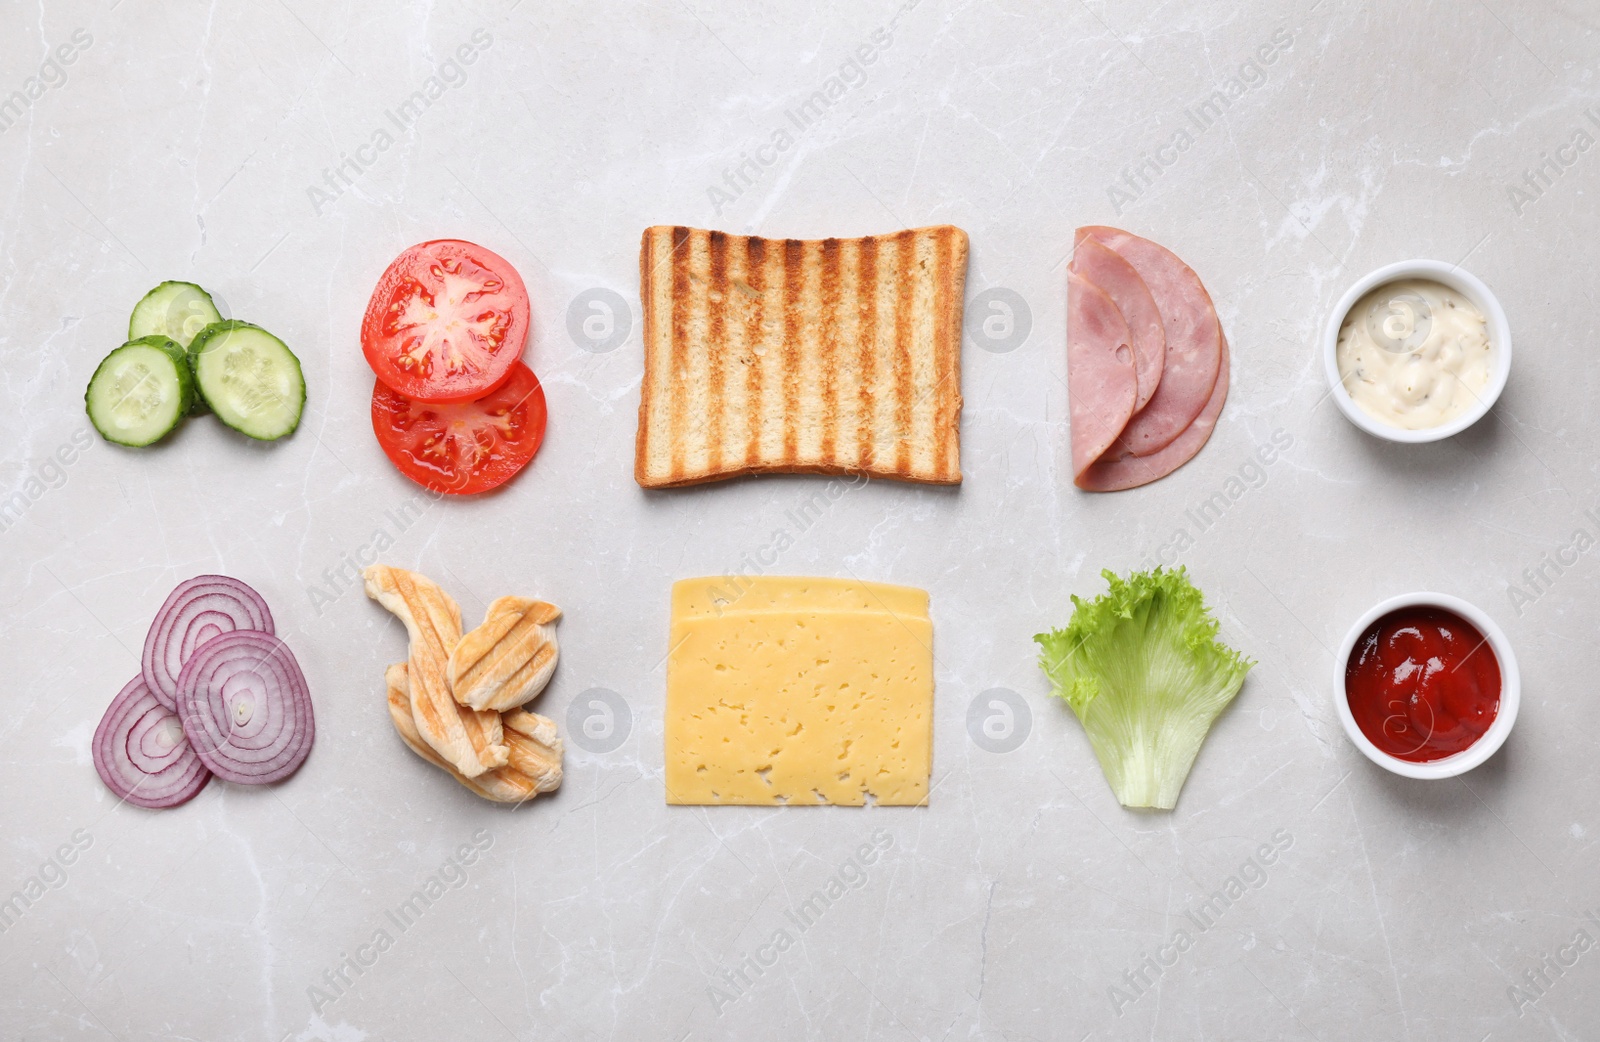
x=1105 y=268
x=1101 y=380
x=1115 y=474
x=1193 y=340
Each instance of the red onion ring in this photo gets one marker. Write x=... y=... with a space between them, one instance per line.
x=194 y=613
x=142 y=754
x=246 y=708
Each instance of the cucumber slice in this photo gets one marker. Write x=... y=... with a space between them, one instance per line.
x=249 y=378
x=178 y=310
x=140 y=392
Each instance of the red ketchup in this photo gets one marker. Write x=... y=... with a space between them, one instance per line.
x=1423 y=683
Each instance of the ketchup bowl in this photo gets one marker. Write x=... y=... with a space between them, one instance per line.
x=1426 y=685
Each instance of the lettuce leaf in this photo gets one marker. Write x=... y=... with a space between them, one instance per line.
x=1143 y=670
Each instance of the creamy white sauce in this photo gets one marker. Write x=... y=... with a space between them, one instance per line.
x=1415 y=354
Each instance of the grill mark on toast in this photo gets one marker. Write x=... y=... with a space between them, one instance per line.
x=673 y=400
x=904 y=300
x=867 y=302
x=755 y=252
x=716 y=350
x=793 y=285
x=944 y=390
x=830 y=350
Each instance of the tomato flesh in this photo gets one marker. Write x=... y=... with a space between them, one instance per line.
x=465 y=447
x=446 y=322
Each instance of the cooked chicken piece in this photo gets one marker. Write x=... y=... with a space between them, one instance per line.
x=508 y=660
x=471 y=741
x=535 y=749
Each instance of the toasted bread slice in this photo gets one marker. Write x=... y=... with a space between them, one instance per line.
x=535 y=765
x=830 y=356
x=508 y=660
x=472 y=741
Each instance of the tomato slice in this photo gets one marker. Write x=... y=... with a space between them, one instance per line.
x=466 y=447
x=446 y=322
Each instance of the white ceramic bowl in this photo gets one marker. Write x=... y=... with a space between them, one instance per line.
x=1462 y=282
x=1510 y=689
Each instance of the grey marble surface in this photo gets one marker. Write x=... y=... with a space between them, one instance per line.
x=192 y=141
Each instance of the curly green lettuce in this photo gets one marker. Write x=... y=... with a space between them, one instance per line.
x=1143 y=670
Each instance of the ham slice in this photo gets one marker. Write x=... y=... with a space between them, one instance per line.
x=1112 y=474
x=1193 y=340
x=1102 y=384
x=1107 y=269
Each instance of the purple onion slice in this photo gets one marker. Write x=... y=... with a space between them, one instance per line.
x=198 y=610
x=246 y=708
x=142 y=753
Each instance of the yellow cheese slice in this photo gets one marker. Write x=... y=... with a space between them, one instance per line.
x=797 y=690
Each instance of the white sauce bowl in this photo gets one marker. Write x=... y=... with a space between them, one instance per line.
x=1464 y=283
x=1510 y=689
